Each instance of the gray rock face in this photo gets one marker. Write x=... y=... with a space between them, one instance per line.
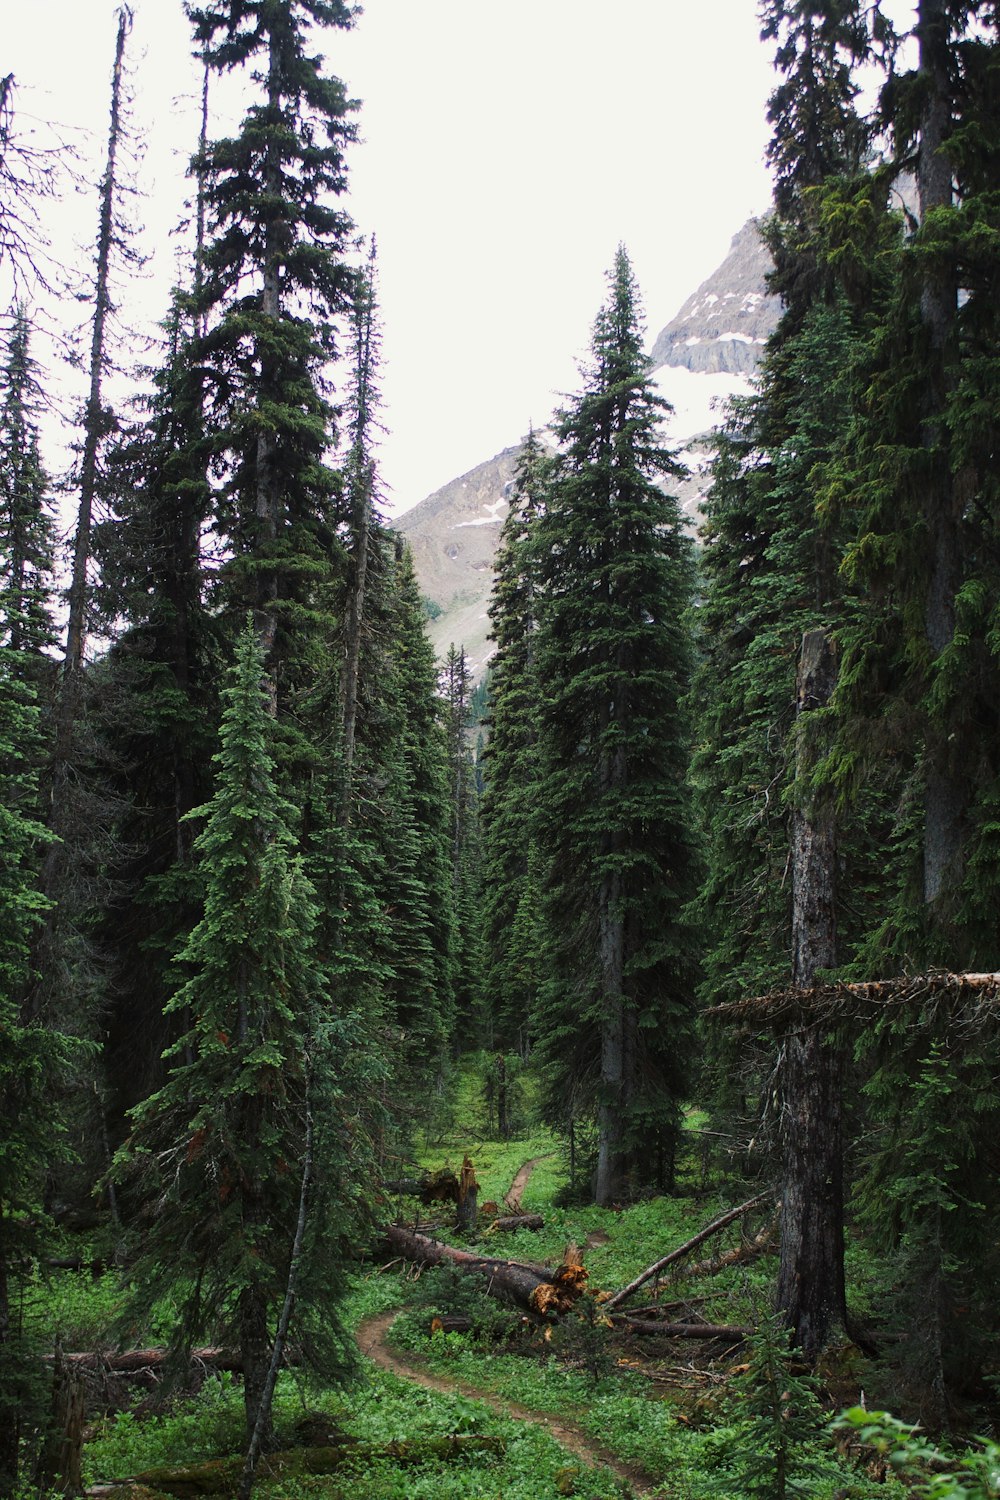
x=453 y=535
x=723 y=327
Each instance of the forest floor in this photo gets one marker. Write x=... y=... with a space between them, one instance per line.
x=371 y=1337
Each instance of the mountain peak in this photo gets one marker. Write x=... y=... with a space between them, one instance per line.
x=723 y=326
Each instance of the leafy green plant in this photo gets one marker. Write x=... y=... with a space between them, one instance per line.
x=930 y=1473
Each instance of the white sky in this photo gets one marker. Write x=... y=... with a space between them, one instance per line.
x=507 y=148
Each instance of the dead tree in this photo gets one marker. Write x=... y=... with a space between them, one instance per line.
x=811 y=1295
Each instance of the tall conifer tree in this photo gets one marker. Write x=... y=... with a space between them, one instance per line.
x=613 y=824
x=511 y=763
x=221 y=1157
x=275 y=279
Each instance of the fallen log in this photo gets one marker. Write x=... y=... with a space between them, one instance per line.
x=732 y=1333
x=685 y=1249
x=135 y=1361
x=537 y=1289
x=220 y=1476
x=510 y=1223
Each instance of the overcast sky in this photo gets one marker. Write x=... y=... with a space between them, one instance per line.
x=506 y=150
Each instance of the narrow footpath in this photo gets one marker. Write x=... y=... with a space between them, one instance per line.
x=372 y=1341
x=371 y=1337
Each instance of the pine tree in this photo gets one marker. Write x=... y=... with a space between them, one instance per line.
x=35 y=1059
x=466 y=844
x=510 y=884
x=918 y=473
x=419 y=842
x=613 y=822
x=258 y=1109
x=157 y=710
x=275 y=280
x=27 y=542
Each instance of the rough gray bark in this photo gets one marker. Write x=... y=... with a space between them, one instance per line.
x=811 y=1295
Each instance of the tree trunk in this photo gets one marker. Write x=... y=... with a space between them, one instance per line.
x=94 y=421
x=10 y=1432
x=60 y=1466
x=612 y=1157
x=262 y=1423
x=811 y=1296
x=57 y=861
x=255 y=1352
x=468 y=1198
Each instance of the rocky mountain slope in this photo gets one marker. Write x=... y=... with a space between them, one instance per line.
x=706 y=353
x=724 y=325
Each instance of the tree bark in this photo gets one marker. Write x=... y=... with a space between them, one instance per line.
x=60 y=1465
x=731 y=1333
x=811 y=1295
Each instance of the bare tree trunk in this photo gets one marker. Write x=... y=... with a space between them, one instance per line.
x=49 y=987
x=262 y=1425
x=94 y=420
x=811 y=1294
x=612 y=1159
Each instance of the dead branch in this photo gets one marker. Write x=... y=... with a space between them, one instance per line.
x=685 y=1249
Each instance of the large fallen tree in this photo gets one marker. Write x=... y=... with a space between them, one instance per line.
x=541 y=1290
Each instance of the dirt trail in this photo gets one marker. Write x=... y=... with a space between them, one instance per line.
x=512 y=1197
x=371 y=1337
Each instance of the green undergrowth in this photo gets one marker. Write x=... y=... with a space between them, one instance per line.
x=694 y=1454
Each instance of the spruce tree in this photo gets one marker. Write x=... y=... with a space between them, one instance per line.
x=257 y=1112
x=511 y=765
x=615 y=1025
x=419 y=890
x=36 y=1059
x=157 y=711
x=27 y=541
x=275 y=281
x=466 y=846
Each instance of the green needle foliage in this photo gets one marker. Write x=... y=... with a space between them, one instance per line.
x=615 y=1019
x=216 y=1158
